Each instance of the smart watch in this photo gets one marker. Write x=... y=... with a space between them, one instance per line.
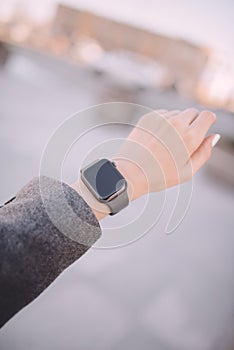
x=106 y=184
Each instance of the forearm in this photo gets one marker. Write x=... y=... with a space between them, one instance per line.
x=33 y=252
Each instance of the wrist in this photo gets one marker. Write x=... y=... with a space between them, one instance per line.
x=134 y=175
x=136 y=187
x=99 y=209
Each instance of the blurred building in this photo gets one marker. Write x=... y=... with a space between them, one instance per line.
x=143 y=58
x=181 y=58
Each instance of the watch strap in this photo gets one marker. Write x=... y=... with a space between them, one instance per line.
x=118 y=203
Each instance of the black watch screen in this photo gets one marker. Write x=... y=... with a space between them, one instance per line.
x=103 y=179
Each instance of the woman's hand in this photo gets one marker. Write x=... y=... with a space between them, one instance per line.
x=164 y=149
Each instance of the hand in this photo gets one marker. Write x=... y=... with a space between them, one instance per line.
x=164 y=149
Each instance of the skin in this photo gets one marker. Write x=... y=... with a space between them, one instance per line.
x=164 y=149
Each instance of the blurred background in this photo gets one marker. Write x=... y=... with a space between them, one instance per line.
x=161 y=292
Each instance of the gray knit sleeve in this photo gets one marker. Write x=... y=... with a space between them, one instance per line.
x=33 y=251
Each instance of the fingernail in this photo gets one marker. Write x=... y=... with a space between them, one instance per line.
x=215 y=139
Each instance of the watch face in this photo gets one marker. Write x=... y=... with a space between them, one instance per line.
x=103 y=179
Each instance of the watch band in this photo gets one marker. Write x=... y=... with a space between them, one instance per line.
x=118 y=203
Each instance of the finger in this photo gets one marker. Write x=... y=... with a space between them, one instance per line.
x=198 y=129
x=204 y=121
x=172 y=113
x=188 y=116
x=161 y=111
x=169 y=114
x=202 y=154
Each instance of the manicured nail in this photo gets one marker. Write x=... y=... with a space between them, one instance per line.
x=215 y=139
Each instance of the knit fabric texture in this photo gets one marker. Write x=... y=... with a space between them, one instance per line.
x=33 y=251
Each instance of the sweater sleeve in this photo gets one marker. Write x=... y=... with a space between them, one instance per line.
x=33 y=251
